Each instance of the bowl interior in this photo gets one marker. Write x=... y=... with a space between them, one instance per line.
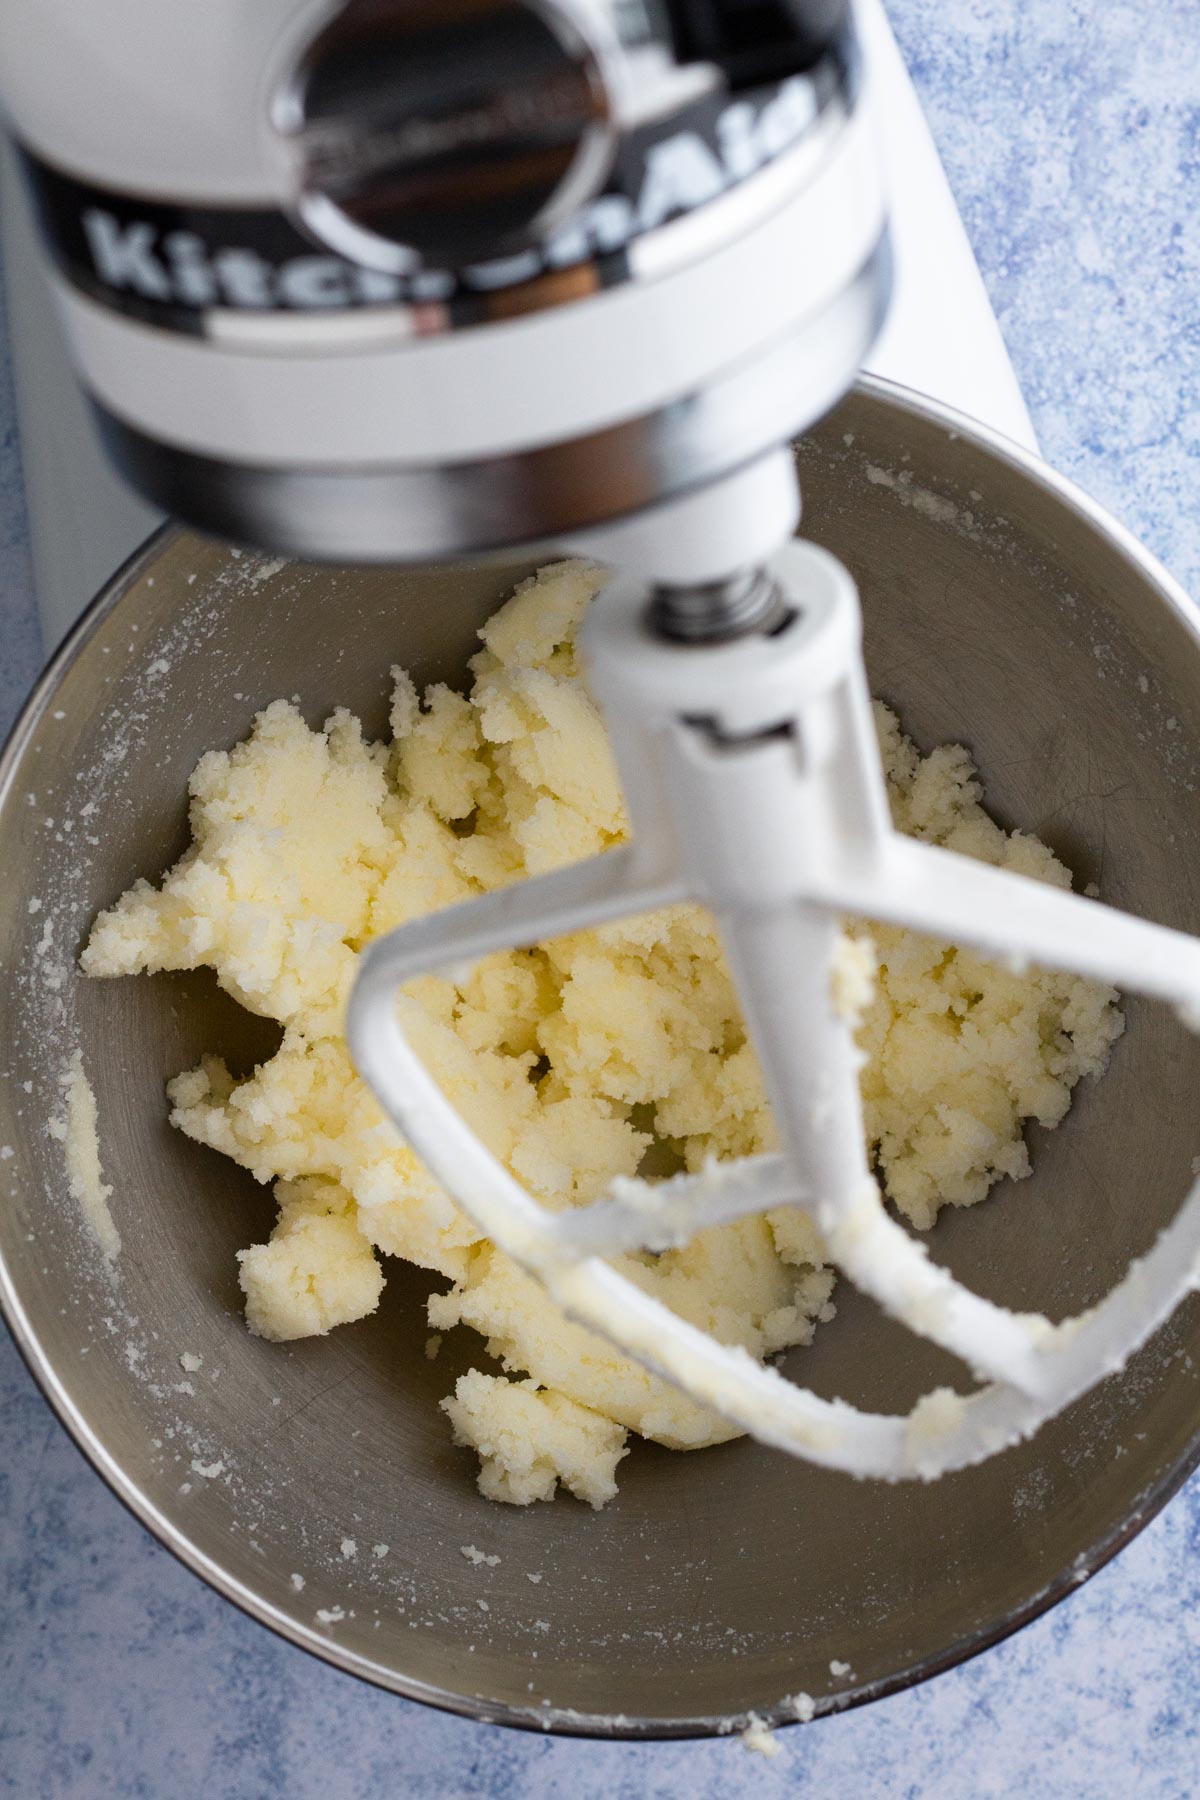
x=997 y=614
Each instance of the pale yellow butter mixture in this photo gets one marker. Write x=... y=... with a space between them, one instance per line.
x=571 y=1060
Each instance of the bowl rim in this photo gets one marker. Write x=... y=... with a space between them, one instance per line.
x=548 y=1719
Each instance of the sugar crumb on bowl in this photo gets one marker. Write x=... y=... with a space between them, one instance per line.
x=478 y=1556
x=571 y=1059
x=76 y=1129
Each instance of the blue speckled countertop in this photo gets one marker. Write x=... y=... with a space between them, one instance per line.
x=1071 y=133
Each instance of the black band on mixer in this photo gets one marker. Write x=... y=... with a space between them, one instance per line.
x=174 y=264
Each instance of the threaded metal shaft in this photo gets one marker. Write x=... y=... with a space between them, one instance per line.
x=717 y=611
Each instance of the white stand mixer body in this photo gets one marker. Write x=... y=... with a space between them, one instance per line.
x=704 y=283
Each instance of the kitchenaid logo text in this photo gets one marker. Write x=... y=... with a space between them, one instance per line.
x=179 y=267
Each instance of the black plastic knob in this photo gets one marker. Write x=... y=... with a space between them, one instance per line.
x=459 y=130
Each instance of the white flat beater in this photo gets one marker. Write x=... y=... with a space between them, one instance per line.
x=742 y=728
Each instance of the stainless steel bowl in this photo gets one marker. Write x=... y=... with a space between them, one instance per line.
x=1002 y=609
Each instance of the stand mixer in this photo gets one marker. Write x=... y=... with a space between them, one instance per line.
x=408 y=282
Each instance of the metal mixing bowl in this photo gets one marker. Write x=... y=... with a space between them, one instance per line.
x=1003 y=609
